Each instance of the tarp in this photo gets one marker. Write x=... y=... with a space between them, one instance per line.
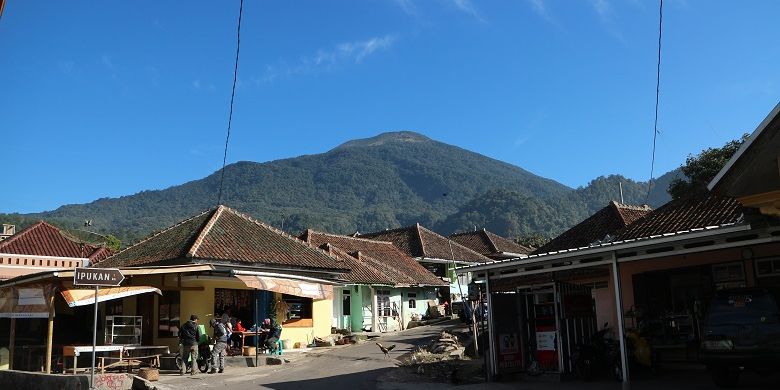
x=30 y=301
x=86 y=295
x=288 y=286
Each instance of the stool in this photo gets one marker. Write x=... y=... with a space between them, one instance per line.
x=278 y=348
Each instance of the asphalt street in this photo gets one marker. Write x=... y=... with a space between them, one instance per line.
x=352 y=367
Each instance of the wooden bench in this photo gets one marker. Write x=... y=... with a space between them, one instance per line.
x=128 y=363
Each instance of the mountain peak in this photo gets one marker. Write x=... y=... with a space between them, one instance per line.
x=385 y=138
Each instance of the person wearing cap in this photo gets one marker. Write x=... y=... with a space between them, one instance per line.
x=189 y=334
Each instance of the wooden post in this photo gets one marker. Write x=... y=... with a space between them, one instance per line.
x=11 y=344
x=50 y=335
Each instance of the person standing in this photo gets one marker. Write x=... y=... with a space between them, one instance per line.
x=220 y=346
x=189 y=335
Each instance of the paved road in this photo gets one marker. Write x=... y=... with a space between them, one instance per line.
x=354 y=367
x=358 y=367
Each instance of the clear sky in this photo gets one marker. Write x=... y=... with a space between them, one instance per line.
x=108 y=98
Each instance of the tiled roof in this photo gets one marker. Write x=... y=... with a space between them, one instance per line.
x=44 y=239
x=361 y=272
x=597 y=227
x=381 y=255
x=685 y=214
x=489 y=244
x=417 y=241
x=223 y=235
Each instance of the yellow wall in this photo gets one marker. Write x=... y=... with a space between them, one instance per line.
x=202 y=303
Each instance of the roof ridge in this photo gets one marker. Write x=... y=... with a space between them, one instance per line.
x=398 y=229
x=15 y=236
x=451 y=241
x=348 y=237
x=279 y=231
x=490 y=239
x=153 y=235
x=205 y=231
x=419 y=237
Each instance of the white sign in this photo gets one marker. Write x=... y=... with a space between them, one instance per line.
x=545 y=341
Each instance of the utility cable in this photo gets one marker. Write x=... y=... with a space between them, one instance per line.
x=232 y=98
x=657 y=97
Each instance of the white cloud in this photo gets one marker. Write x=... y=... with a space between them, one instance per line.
x=467 y=7
x=540 y=8
x=343 y=53
x=606 y=14
x=407 y=6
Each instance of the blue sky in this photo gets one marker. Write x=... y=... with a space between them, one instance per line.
x=104 y=99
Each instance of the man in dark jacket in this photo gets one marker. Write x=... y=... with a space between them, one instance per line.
x=189 y=335
x=220 y=345
x=272 y=331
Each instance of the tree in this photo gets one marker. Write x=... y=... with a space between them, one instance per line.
x=700 y=169
x=113 y=243
x=533 y=240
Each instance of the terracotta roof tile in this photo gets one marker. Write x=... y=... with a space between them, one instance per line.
x=685 y=214
x=417 y=241
x=381 y=255
x=598 y=226
x=44 y=239
x=361 y=271
x=223 y=235
x=489 y=244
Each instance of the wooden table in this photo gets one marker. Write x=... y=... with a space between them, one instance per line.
x=76 y=350
x=244 y=335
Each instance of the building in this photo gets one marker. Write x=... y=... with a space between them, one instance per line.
x=8 y=231
x=653 y=276
x=437 y=253
x=386 y=289
x=490 y=245
x=42 y=247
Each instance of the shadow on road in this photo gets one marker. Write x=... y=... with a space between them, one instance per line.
x=356 y=381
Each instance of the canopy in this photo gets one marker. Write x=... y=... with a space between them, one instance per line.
x=86 y=296
x=288 y=286
x=30 y=301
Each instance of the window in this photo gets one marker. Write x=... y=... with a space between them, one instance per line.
x=412 y=300
x=345 y=302
x=383 y=303
x=768 y=267
x=238 y=304
x=168 y=314
x=297 y=307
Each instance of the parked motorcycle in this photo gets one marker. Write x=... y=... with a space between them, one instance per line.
x=203 y=361
x=599 y=356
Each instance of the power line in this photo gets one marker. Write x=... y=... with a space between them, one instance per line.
x=657 y=96
x=232 y=97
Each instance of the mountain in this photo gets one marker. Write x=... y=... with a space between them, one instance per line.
x=389 y=180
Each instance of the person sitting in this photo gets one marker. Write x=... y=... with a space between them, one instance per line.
x=272 y=331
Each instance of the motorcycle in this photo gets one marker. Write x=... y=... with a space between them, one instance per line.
x=203 y=361
x=598 y=356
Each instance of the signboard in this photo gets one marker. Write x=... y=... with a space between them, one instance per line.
x=97 y=277
x=545 y=341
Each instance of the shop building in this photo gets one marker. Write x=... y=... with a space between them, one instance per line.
x=387 y=289
x=653 y=277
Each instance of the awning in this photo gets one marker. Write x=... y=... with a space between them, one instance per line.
x=288 y=286
x=31 y=301
x=86 y=296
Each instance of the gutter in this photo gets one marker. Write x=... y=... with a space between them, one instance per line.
x=283 y=276
x=608 y=247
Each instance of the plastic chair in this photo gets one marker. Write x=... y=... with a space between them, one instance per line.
x=278 y=349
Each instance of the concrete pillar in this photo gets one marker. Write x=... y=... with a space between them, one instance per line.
x=374 y=311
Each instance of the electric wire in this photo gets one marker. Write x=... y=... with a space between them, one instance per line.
x=232 y=98
x=657 y=97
